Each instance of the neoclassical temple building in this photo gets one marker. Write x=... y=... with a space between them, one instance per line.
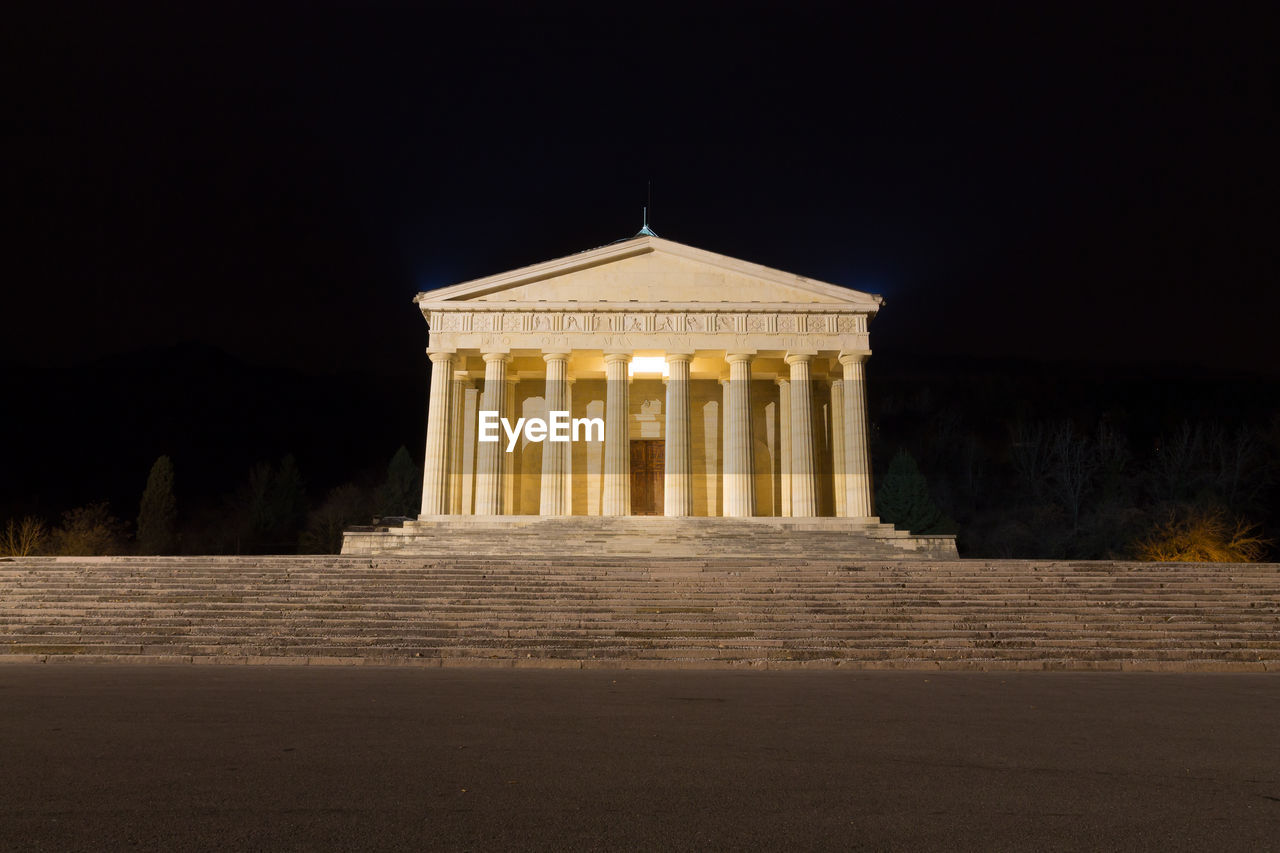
x=726 y=390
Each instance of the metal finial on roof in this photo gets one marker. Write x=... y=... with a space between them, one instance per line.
x=645 y=230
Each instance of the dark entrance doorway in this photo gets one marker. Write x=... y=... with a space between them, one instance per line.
x=646 y=477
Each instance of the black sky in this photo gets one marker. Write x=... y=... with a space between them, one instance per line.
x=1040 y=181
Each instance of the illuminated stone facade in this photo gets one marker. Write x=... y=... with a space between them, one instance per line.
x=727 y=388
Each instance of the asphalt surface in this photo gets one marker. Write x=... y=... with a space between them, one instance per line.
x=258 y=758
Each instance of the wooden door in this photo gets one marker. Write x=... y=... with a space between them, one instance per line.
x=647 y=459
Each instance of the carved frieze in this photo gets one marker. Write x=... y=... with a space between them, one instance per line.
x=648 y=322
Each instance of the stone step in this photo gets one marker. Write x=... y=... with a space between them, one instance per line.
x=975 y=592
x=837 y=605
x=561 y=568
x=578 y=638
x=479 y=581
x=625 y=652
x=1211 y=625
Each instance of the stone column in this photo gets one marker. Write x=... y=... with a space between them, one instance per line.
x=804 y=492
x=739 y=477
x=457 y=430
x=568 y=453
x=857 y=456
x=489 y=453
x=838 y=478
x=435 y=461
x=784 y=443
x=722 y=435
x=617 y=436
x=470 y=410
x=510 y=461
x=551 y=498
x=677 y=484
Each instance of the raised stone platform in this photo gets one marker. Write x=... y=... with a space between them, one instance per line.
x=647 y=536
x=609 y=611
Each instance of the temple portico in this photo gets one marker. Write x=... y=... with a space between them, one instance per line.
x=689 y=433
x=725 y=389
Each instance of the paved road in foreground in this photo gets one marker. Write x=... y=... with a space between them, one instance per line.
x=249 y=758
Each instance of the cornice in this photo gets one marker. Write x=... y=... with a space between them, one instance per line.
x=687 y=307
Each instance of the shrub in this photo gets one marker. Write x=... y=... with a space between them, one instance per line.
x=23 y=538
x=1202 y=536
x=89 y=531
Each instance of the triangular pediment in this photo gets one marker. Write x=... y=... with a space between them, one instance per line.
x=650 y=270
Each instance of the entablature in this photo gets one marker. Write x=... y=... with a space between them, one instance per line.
x=739 y=319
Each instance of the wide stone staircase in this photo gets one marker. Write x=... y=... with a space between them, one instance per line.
x=610 y=611
x=646 y=537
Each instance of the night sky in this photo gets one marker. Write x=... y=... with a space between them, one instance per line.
x=218 y=214
x=1066 y=182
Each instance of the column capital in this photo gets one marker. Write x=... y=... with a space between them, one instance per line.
x=461 y=376
x=781 y=381
x=441 y=356
x=798 y=357
x=490 y=357
x=673 y=357
x=614 y=357
x=854 y=357
x=555 y=355
x=735 y=357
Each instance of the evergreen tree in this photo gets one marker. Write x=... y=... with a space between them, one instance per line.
x=272 y=507
x=401 y=494
x=288 y=498
x=158 y=513
x=903 y=497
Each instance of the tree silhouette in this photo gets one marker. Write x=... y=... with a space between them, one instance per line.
x=89 y=531
x=401 y=494
x=343 y=507
x=903 y=497
x=158 y=512
x=272 y=507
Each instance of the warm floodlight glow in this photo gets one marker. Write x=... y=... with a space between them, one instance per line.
x=651 y=365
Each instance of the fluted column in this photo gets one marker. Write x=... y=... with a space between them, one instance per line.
x=784 y=443
x=617 y=436
x=435 y=462
x=568 y=454
x=739 y=478
x=457 y=429
x=510 y=461
x=722 y=434
x=551 y=499
x=677 y=488
x=838 y=478
x=804 y=493
x=489 y=453
x=857 y=461
x=470 y=450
